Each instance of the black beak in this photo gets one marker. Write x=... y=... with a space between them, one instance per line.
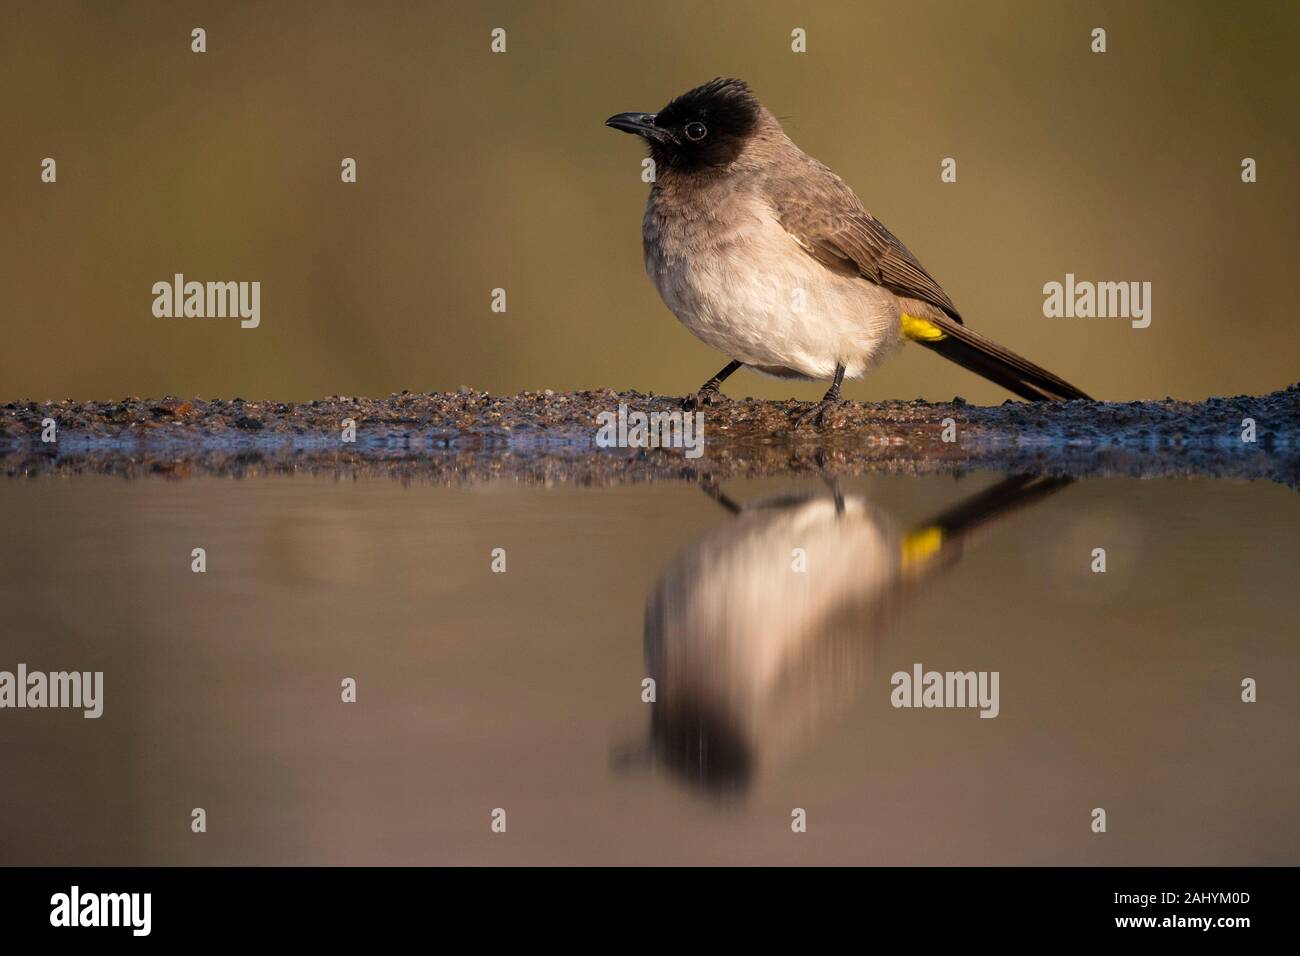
x=642 y=124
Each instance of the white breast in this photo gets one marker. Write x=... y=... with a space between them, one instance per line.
x=733 y=632
x=749 y=290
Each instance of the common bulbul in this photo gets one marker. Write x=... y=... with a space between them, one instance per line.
x=749 y=659
x=768 y=256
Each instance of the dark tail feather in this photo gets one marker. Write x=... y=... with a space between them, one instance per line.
x=1008 y=495
x=962 y=523
x=985 y=357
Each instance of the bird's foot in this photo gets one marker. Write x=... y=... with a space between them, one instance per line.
x=817 y=414
x=704 y=397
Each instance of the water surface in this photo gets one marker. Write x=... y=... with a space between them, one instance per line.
x=523 y=690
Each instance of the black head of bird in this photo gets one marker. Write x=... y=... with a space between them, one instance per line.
x=704 y=128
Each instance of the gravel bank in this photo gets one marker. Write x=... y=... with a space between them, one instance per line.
x=543 y=436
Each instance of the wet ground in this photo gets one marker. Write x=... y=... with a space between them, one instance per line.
x=550 y=435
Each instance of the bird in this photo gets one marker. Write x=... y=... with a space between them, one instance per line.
x=750 y=658
x=768 y=256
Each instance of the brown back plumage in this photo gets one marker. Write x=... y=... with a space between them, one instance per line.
x=824 y=216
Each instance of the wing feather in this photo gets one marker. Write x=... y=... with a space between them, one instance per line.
x=827 y=220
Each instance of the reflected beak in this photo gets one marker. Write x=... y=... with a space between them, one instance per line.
x=641 y=124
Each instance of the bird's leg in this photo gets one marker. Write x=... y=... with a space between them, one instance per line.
x=709 y=485
x=832 y=398
x=833 y=483
x=710 y=393
x=831 y=480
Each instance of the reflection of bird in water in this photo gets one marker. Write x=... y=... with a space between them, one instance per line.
x=749 y=654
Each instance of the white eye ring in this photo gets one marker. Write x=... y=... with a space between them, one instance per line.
x=696 y=131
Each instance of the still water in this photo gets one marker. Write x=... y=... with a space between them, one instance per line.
x=770 y=613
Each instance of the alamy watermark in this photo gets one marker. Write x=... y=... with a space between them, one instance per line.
x=1075 y=299
x=922 y=688
x=75 y=908
x=82 y=690
x=208 y=300
x=677 y=429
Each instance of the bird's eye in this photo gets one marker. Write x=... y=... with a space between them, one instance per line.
x=696 y=131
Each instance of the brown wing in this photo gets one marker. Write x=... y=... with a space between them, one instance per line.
x=825 y=217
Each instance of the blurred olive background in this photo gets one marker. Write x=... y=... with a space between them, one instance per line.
x=479 y=171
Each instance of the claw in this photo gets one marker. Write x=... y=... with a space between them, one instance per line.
x=832 y=398
x=817 y=413
x=702 y=398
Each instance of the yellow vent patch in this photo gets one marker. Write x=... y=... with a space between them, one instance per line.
x=921 y=330
x=920 y=546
